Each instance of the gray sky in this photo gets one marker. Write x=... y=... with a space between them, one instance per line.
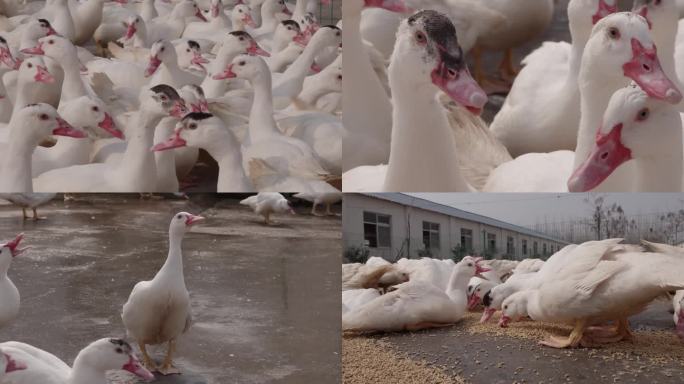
x=524 y=209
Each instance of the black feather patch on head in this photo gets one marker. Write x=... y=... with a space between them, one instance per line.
x=442 y=33
x=197 y=89
x=487 y=299
x=240 y=34
x=197 y=116
x=335 y=27
x=122 y=346
x=193 y=44
x=291 y=23
x=44 y=23
x=167 y=90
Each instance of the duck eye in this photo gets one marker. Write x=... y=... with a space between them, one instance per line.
x=192 y=126
x=242 y=39
x=95 y=109
x=242 y=63
x=29 y=65
x=643 y=114
x=162 y=49
x=614 y=33
x=420 y=37
x=470 y=264
x=187 y=50
x=164 y=98
x=119 y=350
x=51 y=42
x=339 y=77
x=505 y=306
x=43 y=116
x=179 y=216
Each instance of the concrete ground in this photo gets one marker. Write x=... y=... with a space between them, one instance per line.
x=265 y=300
x=474 y=353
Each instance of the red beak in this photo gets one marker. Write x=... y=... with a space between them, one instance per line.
x=51 y=31
x=173 y=142
x=37 y=50
x=473 y=301
x=227 y=74
x=603 y=10
x=645 y=70
x=179 y=109
x=215 y=11
x=109 y=125
x=255 y=49
x=130 y=31
x=152 y=66
x=14 y=245
x=301 y=39
x=461 y=87
x=487 y=314
x=200 y=15
x=43 y=76
x=248 y=20
x=13 y=365
x=315 y=68
x=7 y=58
x=199 y=60
x=608 y=154
x=503 y=321
x=65 y=129
x=133 y=366
x=193 y=220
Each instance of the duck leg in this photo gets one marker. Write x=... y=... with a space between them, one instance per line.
x=147 y=360
x=506 y=69
x=36 y=217
x=614 y=335
x=488 y=84
x=329 y=212
x=571 y=341
x=26 y=217
x=167 y=367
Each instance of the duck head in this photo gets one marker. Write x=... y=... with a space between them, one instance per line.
x=33 y=70
x=161 y=51
x=427 y=57
x=194 y=97
x=289 y=30
x=584 y=14
x=241 y=42
x=134 y=25
x=89 y=115
x=182 y=221
x=284 y=206
x=42 y=120
x=242 y=15
x=112 y=354
x=245 y=67
x=163 y=100
x=196 y=130
x=634 y=126
x=621 y=46
x=514 y=308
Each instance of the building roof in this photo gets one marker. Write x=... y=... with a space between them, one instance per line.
x=428 y=205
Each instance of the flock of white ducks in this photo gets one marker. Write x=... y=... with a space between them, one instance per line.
x=88 y=88
x=587 y=286
x=601 y=113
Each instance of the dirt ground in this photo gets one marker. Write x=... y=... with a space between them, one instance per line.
x=474 y=353
x=265 y=300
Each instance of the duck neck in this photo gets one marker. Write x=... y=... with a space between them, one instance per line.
x=72 y=87
x=301 y=67
x=138 y=166
x=268 y=19
x=534 y=308
x=311 y=94
x=595 y=92
x=662 y=172
x=88 y=16
x=217 y=88
x=170 y=66
x=300 y=9
x=16 y=166
x=261 y=122
x=228 y=155
x=76 y=149
x=423 y=152
x=173 y=266
x=165 y=160
x=85 y=373
x=458 y=282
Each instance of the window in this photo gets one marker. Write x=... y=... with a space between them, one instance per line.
x=491 y=242
x=467 y=239
x=377 y=229
x=535 y=249
x=430 y=235
x=544 y=249
x=524 y=247
x=510 y=246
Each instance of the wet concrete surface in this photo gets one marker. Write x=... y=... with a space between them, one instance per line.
x=494 y=358
x=265 y=300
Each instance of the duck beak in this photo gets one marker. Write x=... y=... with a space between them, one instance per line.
x=7 y=58
x=109 y=125
x=315 y=67
x=130 y=31
x=199 y=60
x=13 y=365
x=604 y=9
x=461 y=87
x=51 y=31
x=479 y=270
x=192 y=220
x=473 y=301
x=37 y=50
x=14 y=245
x=608 y=154
x=173 y=142
x=200 y=15
x=503 y=321
x=43 y=76
x=215 y=11
x=255 y=49
x=152 y=66
x=133 y=366
x=487 y=314
x=645 y=70
x=249 y=21
x=65 y=129
x=390 y=5
x=179 y=109
x=287 y=11
x=227 y=74
x=301 y=39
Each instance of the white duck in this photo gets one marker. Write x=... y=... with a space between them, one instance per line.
x=272 y=12
x=163 y=67
x=607 y=65
x=542 y=111
x=86 y=114
x=28 y=128
x=33 y=82
x=287 y=31
x=213 y=29
x=290 y=156
x=595 y=288
x=90 y=366
x=136 y=172
x=418 y=71
x=203 y=130
x=158 y=311
x=29 y=200
x=172 y=26
x=636 y=127
x=267 y=204
x=9 y=294
x=416 y=305
x=317 y=199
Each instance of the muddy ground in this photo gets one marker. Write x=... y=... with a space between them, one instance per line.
x=265 y=300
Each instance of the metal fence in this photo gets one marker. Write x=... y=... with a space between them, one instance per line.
x=328 y=14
